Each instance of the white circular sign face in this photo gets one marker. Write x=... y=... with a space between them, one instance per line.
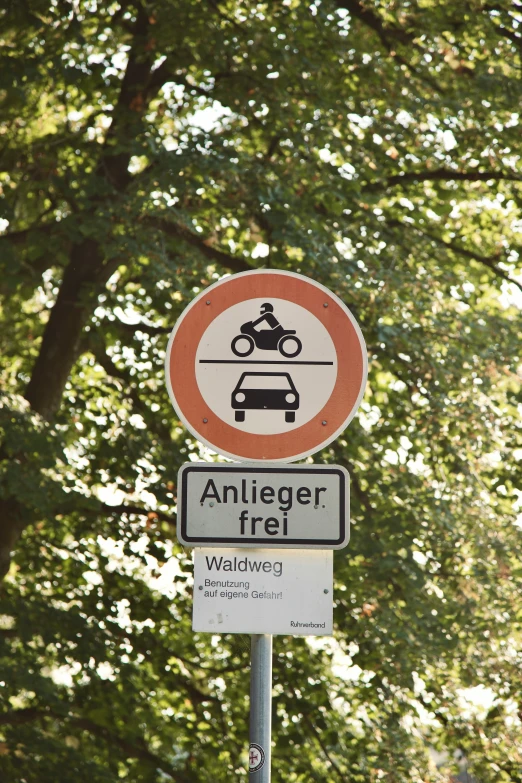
x=280 y=393
x=266 y=365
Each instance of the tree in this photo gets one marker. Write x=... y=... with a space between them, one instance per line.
x=147 y=149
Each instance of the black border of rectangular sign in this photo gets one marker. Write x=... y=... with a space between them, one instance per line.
x=260 y=543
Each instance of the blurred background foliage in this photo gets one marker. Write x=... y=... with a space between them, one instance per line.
x=147 y=149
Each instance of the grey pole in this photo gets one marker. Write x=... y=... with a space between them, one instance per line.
x=260 y=708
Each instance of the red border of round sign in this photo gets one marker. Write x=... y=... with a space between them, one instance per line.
x=283 y=447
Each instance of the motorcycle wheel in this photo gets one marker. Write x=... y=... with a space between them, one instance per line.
x=287 y=350
x=246 y=350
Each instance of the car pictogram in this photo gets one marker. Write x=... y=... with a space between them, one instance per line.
x=265 y=391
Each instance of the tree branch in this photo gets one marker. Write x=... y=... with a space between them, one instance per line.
x=19 y=717
x=142 y=327
x=123 y=508
x=13 y=521
x=489 y=261
x=139 y=84
x=375 y=23
x=132 y=748
x=182 y=232
x=319 y=740
x=8 y=633
x=388 y=35
x=135 y=748
x=500 y=27
x=19 y=237
x=363 y=496
x=442 y=175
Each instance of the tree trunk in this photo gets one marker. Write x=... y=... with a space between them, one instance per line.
x=82 y=283
x=12 y=522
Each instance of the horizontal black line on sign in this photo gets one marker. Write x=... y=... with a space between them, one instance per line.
x=251 y=361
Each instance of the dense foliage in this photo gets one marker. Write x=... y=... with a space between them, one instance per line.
x=146 y=149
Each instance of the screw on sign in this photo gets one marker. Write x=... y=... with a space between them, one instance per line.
x=266 y=365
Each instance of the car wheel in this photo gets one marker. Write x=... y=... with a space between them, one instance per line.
x=290 y=416
x=290 y=346
x=242 y=345
x=240 y=415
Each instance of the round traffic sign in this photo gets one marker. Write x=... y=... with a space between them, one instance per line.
x=266 y=365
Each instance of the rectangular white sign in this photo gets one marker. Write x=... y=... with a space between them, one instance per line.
x=294 y=506
x=263 y=591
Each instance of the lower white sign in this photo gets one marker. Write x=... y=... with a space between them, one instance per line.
x=263 y=591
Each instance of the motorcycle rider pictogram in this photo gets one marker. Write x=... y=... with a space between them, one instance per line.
x=267 y=334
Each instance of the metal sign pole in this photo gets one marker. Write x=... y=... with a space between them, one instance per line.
x=260 y=708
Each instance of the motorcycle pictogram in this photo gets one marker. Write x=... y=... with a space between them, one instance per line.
x=271 y=337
